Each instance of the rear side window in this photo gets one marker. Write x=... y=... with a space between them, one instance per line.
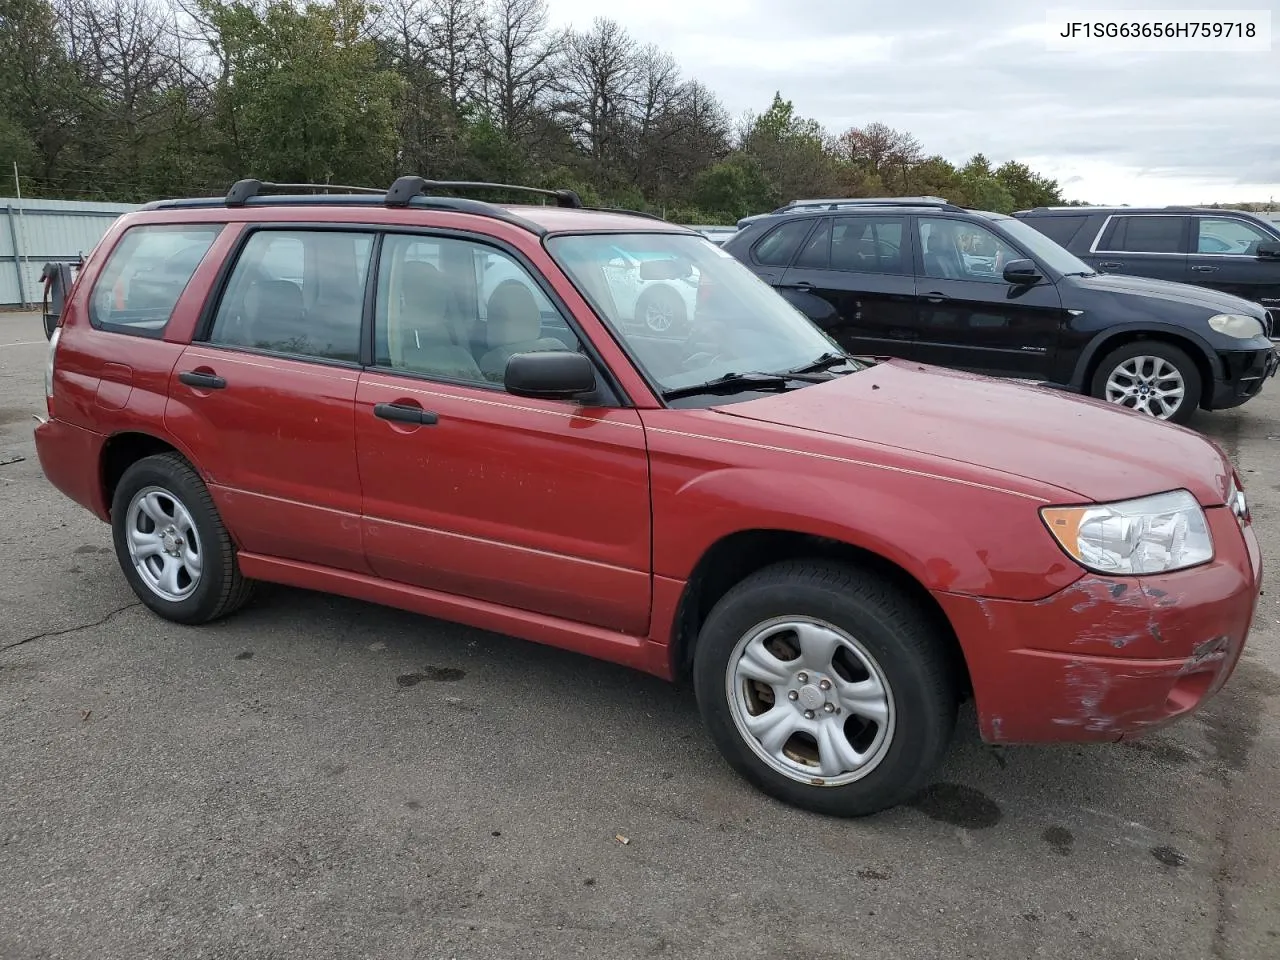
x=145 y=276
x=297 y=292
x=1061 y=230
x=1143 y=235
x=780 y=245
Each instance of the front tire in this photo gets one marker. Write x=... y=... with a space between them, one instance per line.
x=825 y=686
x=1150 y=377
x=172 y=545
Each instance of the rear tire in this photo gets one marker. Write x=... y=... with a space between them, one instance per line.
x=1138 y=377
x=834 y=745
x=171 y=544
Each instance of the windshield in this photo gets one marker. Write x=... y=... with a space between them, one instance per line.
x=1048 y=252
x=686 y=311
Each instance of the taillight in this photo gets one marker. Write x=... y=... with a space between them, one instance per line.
x=48 y=368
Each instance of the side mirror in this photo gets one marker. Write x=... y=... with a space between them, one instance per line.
x=550 y=375
x=1022 y=272
x=673 y=269
x=1269 y=250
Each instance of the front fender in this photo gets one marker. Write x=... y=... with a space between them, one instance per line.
x=949 y=536
x=1106 y=339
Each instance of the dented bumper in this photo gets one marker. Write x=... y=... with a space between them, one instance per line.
x=1110 y=657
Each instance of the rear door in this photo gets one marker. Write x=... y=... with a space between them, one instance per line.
x=770 y=256
x=266 y=391
x=970 y=317
x=1143 y=245
x=853 y=277
x=1224 y=256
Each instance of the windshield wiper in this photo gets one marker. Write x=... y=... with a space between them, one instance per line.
x=824 y=362
x=730 y=383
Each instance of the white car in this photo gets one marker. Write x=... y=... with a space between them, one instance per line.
x=662 y=306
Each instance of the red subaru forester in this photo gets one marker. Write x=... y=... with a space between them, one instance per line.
x=476 y=411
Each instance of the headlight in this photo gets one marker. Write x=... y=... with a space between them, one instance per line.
x=1149 y=535
x=1235 y=325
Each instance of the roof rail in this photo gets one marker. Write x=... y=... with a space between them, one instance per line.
x=242 y=190
x=406 y=188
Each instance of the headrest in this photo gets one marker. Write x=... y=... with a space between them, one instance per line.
x=514 y=316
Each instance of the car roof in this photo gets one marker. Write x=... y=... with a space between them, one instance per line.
x=1067 y=211
x=888 y=207
x=574 y=220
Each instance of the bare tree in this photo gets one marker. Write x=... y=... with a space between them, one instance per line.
x=519 y=61
x=455 y=47
x=598 y=88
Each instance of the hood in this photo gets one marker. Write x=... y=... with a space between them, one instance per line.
x=1211 y=300
x=1095 y=450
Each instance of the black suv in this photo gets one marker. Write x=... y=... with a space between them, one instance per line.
x=927 y=280
x=1226 y=250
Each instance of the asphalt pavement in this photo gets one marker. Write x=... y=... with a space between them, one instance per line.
x=317 y=777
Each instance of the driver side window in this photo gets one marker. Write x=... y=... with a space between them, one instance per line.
x=960 y=250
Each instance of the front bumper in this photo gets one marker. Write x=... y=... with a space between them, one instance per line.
x=1108 y=657
x=1244 y=373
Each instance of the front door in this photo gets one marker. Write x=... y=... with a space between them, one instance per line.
x=267 y=395
x=540 y=505
x=970 y=316
x=1224 y=256
x=853 y=278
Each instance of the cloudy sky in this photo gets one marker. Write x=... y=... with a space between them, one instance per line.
x=979 y=75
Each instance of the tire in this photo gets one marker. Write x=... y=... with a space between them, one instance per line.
x=878 y=627
x=179 y=498
x=1149 y=358
x=661 y=310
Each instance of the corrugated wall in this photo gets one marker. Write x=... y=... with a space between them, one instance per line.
x=33 y=232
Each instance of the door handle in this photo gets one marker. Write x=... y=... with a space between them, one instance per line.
x=1110 y=265
x=205 y=381
x=936 y=297
x=404 y=414
x=1198 y=269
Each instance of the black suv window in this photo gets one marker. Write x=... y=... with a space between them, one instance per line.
x=145 y=276
x=869 y=245
x=297 y=292
x=779 y=245
x=1061 y=230
x=1229 y=235
x=1143 y=234
x=816 y=254
x=962 y=250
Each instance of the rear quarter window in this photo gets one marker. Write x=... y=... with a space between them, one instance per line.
x=1061 y=230
x=145 y=275
x=780 y=244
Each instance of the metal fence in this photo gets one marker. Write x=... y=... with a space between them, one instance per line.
x=33 y=232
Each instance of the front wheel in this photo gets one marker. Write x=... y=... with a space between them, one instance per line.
x=662 y=310
x=1150 y=377
x=824 y=686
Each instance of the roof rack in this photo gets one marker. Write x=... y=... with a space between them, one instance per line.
x=406 y=188
x=915 y=201
x=242 y=190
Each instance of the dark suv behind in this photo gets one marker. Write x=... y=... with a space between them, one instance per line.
x=1227 y=250
x=927 y=280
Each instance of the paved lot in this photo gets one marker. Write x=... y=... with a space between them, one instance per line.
x=322 y=778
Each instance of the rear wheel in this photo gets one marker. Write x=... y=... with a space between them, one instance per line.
x=1150 y=377
x=171 y=543
x=824 y=686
